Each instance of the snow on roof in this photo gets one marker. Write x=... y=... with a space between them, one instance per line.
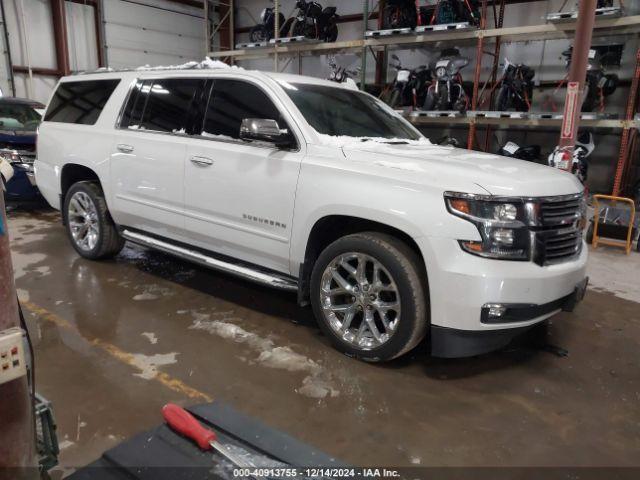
x=206 y=64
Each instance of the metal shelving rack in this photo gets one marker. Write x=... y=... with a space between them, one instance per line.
x=481 y=37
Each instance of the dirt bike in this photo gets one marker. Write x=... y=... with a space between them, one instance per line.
x=266 y=30
x=516 y=88
x=341 y=74
x=409 y=88
x=312 y=21
x=446 y=91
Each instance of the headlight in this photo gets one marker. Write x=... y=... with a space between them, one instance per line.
x=501 y=224
x=10 y=156
x=441 y=72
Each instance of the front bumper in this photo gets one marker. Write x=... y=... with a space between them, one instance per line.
x=454 y=343
x=22 y=186
x=460 y=284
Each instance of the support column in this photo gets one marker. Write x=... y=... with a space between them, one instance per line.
x=623 y=158
x=59 y=17
x=577 y=75
x=476 y=76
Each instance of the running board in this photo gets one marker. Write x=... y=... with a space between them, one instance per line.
x=274 y=280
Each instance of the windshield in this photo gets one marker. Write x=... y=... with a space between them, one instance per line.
x=16 y=117
x=340 y=112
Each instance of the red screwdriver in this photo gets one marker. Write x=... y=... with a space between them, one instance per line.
x=186 y=424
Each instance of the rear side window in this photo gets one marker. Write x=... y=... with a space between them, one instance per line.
x=162 y=105
x=80 y=102
x=231 y=102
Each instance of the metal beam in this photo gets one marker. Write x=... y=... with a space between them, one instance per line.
x=529 y=33
x=58 y=16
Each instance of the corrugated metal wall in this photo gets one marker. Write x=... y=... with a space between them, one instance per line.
x=136 y=32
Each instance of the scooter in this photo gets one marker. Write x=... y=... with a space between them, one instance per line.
x=312 y=21
x=530 y=153
x=560 y=157
x=266 y=30
x=598 y=83
x=516 y=87
x=409 y=88
x=446 y=91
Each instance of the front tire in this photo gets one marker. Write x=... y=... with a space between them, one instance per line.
x=369 y=295
x=89 y=224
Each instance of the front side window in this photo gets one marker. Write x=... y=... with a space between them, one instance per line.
x=80 y=102
x=340 y=112
x=230 y=102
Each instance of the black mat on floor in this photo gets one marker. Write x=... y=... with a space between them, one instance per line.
x=160 y=453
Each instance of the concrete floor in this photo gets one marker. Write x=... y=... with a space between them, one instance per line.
x=116 y=340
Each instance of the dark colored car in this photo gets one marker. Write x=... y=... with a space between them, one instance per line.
x=19 y=122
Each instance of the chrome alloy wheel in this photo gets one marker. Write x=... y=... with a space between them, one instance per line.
x=83 y=221
x=360 y=300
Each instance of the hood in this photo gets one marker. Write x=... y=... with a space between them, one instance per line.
x=19 y=137
x=454 y=168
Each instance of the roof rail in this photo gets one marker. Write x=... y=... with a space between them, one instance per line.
x=206 y=64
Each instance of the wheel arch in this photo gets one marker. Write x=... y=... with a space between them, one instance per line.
x=331 y=227
x=72 y=173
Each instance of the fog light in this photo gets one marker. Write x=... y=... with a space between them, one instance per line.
x=496 y=310
x=502 y=236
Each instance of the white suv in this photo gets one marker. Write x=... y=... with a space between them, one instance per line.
x=310 y=186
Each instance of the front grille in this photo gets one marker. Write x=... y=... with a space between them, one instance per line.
x=557 y=245
x=559 y=212
x=558 y=237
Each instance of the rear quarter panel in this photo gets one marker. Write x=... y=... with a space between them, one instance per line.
x=61 y=144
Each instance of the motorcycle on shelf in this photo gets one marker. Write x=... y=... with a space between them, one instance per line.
x=399 y=14
x=599 y=84
x=446 y=91
x=409 y=87
x=266 y=30
x=516 y=88
x=314 y=22
x=561 y=158
x=530 y=153
x=452 y=11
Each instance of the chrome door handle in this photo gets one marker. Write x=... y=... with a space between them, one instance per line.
x=124 y=148
x=201 y=161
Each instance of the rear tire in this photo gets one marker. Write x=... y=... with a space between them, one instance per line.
x=380 y=310
x=89 y=224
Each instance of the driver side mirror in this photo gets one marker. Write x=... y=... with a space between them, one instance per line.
x=265 y=130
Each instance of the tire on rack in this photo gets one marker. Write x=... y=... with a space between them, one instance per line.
x=430 y=100
x=502 y=102
x=89 y=224
x=369 y=295
x=332 y=33
x=259 y=34
x=394 y=99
